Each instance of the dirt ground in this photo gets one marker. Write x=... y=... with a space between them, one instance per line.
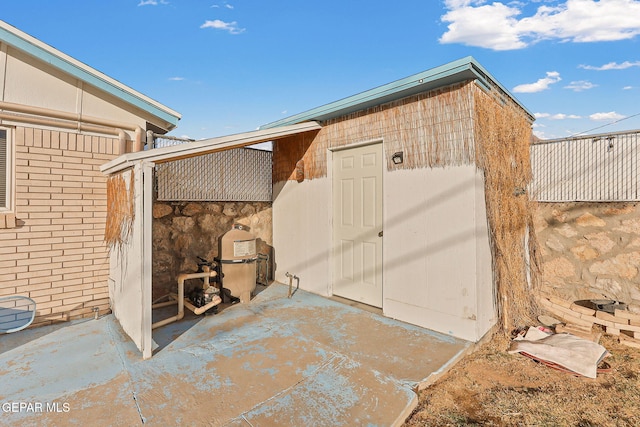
x=491 y=387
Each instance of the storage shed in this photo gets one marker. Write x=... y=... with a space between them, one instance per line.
x=388 y=204
x=409 y=197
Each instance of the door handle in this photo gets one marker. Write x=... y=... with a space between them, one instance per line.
x=380 y=234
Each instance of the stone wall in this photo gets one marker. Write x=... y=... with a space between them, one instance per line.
x=184 y=231
x=591 y=250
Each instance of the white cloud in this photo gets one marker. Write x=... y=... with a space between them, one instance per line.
x=612 y=66
x=499 y=26
x=231 y=27
x=561 y=116
x=176 y=79
x=227 y=5
x=612 y=115
x=152 y=2
x=540 y=85
x=557 y=116
x=627 y=88
x=580 y=85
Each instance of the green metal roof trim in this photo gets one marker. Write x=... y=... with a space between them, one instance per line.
x=34 y=47
x=461 y=70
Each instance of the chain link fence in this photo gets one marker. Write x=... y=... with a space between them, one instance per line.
x=594 y=168
x=239 y=174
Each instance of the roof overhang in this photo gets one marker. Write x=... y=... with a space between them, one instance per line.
x=464 y=69
x=36 y=48
x=206 y=146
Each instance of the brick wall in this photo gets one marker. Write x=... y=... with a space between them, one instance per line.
x=56 y=254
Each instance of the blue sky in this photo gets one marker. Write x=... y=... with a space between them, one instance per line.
x=230 y=67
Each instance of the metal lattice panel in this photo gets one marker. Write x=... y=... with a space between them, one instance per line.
x=592 y=168
x=240 y=174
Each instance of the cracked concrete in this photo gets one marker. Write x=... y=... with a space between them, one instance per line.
x=275 y=361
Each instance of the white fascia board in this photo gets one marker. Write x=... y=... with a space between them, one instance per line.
x=206 y=146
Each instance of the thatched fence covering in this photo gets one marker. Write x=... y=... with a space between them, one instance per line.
x=120 y=210
x=503 y=135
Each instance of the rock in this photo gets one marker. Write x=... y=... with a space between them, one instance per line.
x=558 y=269
x=624 y=266
x=559 y=215
x=631 y=226
x=192 y=209
x=635 y=243
x=584 y=252
x=230 y=210
x=183 y=224
x=610 y=286
x=589 y=220
x=248 y=210
x=554 y=243
x=160 y=210
x=619 y=210
x=214 y=207
x=600 y=241
x=208 y=223
x=567 y=231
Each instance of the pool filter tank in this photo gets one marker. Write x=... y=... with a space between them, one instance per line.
x=237 y=258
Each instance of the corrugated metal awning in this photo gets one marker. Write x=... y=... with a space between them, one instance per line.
x=206 y=146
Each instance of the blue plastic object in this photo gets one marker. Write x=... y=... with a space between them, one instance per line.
x=16 y=313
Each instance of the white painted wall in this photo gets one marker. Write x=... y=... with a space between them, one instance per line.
x=302 y=233
x=129 y=276
x=437 y=269
x=435 y=247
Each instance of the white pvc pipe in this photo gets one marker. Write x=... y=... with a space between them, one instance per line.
x=181 y=301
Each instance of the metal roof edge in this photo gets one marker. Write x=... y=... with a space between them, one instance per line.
x=466 y=68
x=205 y=146
x=34 y=47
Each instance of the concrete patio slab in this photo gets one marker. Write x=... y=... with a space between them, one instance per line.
x=276 y=361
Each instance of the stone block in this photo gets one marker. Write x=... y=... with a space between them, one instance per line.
x=554 y=243
x=582 y=310
x=230 y=210
x=630 y=226
x=584 y=253
x=612 y=331
x=601 y=242
x=621 y=266
x=558 y=268
x=567 y=231
x=590 y=220
x=192 y=209
x=606 y=316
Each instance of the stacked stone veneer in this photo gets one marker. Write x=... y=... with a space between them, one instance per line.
x=590 y=250
x=54 y=251
x=184 y=231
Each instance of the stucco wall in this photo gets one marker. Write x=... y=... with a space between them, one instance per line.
x=184 y=231
x=437 y=259
x=56 y=254
x=591 y=250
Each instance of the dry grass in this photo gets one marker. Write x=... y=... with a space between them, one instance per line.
x=120 y=210
x=492 y=387
x=502 y=138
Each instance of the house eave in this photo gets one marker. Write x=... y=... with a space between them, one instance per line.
x=48 y=54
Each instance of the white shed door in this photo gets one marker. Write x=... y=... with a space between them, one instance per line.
x=357 y=224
